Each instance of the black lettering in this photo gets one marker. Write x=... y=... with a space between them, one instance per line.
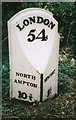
x=46 y=78
x=30 y=97
x=20 y=28
x=24 y=95
x=49 y=75
x=31 y=84
x=39 y=19
x=53 y=71
x=33 y=77
x=51 y=25
x=20 y=94
x=25 y=76
x=27 y=83
x=49 y=92
x=29 y=76
x=26 y=22
x=20 y=81
x=35 y=85
x=21 y=74
x=46 y=22
x=24 y=82
x=32 y=20
x=17 y=74
x=43 y=37
x=15 y=81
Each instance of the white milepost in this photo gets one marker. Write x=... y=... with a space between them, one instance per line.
x=33 y=55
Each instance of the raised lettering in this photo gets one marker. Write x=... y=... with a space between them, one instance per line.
x=49 y=75
x=24 y=82
x=21 y=74
x=15 y=81
x=26 y=22
x=46 y=22
x=39 y=19
x=33 y=77
x=29 y=76
x=51 y=25
x=35 y=85
x=32 y=19
x=26 y=75
x=17 y=74
x=30 y=97
x=24 y=95
x=20 y=28
x=20 y=81
x=49 y=91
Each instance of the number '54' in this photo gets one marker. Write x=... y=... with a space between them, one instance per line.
x=31 y=36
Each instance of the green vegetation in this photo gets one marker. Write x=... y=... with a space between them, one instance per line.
x=63 y=105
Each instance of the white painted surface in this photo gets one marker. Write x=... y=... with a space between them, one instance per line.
x=33 y=58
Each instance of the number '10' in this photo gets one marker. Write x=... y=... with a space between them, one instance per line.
x=31 y=36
